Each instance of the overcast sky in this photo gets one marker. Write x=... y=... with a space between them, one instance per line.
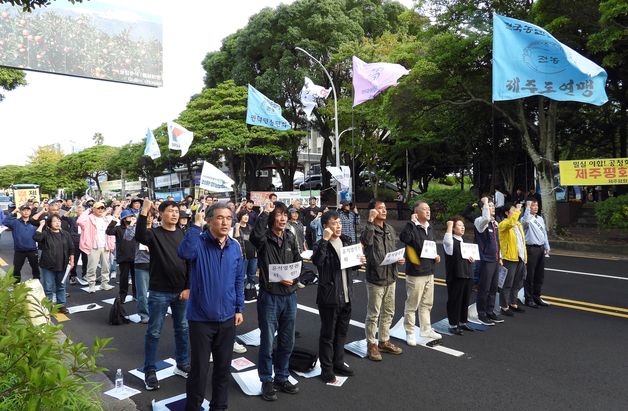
x=60 y=109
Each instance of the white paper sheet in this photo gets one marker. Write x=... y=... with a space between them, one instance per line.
x=429 y=249
x=393 y=256
x=470 y=250
x=161 y=374
x=84 y=307
x=67 y=272
x=339 y=381
x=249 y=381
x=110 y=300
x=163 y=404
x=314 y=372
x=350 y=256
x=134 y=318
x=81 y=281
x=122 y=393
x=399 y=332
x=251 y=338
x=279 y=272
x=307 y=254
x=3 y=228
x=502 y=272
x=357 y=347
x=241 y=363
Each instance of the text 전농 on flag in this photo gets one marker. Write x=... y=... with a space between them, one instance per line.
x=262 y=111
x=152 y=148
x=310 y=93
x=528 y=61
x=370 y=79
x=179 y=138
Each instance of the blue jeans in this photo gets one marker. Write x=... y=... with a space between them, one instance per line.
x=51 y=281
x=158 y=303
x=141 y=289
x=275 y=313
x=249 y=267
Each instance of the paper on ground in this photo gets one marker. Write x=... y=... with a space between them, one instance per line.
x=109 y=301
x=249 y=381
x=241 y=363
x=122 y=393
x=81 y=308
x=442 y=326
x=172 y=403
x=339 y=381
x=251 y=338
x=314 y=372
x=164 y=369
x=134 y=318
x=357 y=347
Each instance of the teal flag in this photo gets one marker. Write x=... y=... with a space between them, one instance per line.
x=262 y=111
x=528 y=61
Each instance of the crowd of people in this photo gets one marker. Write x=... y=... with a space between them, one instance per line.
x=197 y=257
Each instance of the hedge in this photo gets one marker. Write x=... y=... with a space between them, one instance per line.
x=613 y=212
x=445 y=203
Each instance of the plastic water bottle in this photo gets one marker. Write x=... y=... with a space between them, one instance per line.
x=119 y=379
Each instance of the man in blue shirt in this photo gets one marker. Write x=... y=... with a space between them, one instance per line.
x=215 y=303
x=24 y=245
x=537 y=247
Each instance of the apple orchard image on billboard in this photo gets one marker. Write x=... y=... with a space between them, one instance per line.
x=94 y=40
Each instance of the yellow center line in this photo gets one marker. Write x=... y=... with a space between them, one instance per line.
x=575 y=307
x=608 y=307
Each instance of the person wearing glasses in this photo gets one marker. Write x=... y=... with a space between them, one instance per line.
x=96 y=244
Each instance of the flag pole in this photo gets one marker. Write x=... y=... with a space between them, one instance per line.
x=333 y=89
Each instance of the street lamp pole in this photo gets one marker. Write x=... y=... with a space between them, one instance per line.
x=333 y=89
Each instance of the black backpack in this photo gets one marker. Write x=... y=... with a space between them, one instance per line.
x=250 y=292
x=302 y=359
x=117 y=314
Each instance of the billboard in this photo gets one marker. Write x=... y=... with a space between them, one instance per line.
x=100 y=40
x=595 y=172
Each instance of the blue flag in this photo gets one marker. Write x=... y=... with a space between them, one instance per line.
x=152 y=148
x=262 y=111
x=529 y=61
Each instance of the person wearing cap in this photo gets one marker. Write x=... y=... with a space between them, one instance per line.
x=295 y=225
x=25 y=248
x=184 y=219
x=96 y=244
x=350 y=220
x=135 y=205
x=125 y=249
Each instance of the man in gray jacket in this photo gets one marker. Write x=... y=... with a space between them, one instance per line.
x=379 y=239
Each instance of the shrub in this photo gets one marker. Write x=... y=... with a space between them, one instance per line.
x=445 y=203
x=613 y=212
x=41 y=369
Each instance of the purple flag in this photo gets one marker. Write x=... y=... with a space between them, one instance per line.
x=370 y=79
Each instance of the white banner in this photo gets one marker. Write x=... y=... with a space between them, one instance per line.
x=167 y=180
x=215 y=180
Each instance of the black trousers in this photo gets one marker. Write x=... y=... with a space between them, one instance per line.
x=78 y=254
x=124 y=269
x=458 y=293
x=487 y=287
x=19 y=257
x=205 y=338
x=536 y=272
x=331 y=343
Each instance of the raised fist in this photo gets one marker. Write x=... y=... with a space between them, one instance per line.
x=327 y=233
x=373 y=213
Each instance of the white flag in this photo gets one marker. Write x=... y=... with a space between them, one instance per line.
x=309 y=93
x=179 y=138
x=214 y=180
x=152 y=148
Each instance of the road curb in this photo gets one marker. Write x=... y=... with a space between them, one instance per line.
x=614 y=250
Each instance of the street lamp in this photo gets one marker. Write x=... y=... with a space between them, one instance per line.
x=333 y=89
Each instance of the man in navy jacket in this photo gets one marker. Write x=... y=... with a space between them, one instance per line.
x=215 y=304
x=25 y=247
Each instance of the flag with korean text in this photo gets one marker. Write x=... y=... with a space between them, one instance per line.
x=152 y=148
x=528 y=61
x=310 y=93
x=370 y=79
x=179 y=138
x=262 y=111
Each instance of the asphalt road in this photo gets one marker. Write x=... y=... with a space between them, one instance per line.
x=568 y=356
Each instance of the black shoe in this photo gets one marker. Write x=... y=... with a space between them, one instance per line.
x=494 y=318
x=150 y=380
x=517 y=309
x=328 y=376
x=455 y=330
x=506 y=312
x=64 y=310
x=532 y=304
x=484 y=319
x=343 y=370
x=285 y=386
x=268 y=391
x=465 y=327
x=540 y=302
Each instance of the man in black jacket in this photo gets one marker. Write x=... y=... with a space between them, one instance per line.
x=417 y=235
x=277 y=301
x=333 y=297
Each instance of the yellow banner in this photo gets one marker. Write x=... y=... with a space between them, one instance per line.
x=602 y=171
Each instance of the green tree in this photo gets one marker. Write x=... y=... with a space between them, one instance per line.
x=30 y=5
x=11 y=79
x=89 y=163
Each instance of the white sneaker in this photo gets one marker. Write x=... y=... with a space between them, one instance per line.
x=411 y=340
x=92 y=288
x=431 y=334
x=238 y=348
x=106 y=287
